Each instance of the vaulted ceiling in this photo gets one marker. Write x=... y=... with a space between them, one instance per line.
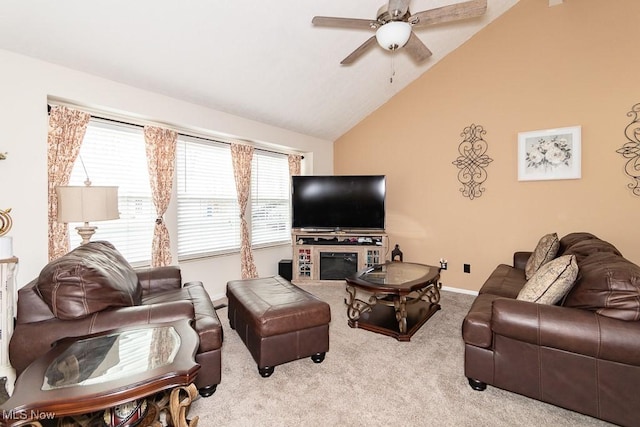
x=262 y=60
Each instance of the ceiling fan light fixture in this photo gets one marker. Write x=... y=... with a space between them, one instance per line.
x=393 y=35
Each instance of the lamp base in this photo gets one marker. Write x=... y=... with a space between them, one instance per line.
x=86 y=231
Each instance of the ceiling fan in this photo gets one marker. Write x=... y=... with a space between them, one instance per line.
x=395 y=23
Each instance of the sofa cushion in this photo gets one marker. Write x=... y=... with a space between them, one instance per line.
x=504 y=281
x=90 y=278
x=545 y=251
x=573 y=238
x=551 y=282
x=609 y=285
x=587 y=247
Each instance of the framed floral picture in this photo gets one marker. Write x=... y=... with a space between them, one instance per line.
x=549 y=154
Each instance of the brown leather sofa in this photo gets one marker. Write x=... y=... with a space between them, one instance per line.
x=93 y=289
x=582 y=353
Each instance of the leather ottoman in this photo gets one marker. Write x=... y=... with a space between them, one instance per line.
x=278 y=321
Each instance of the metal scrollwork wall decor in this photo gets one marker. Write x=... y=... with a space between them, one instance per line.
x=472 y=161
x=631 y=150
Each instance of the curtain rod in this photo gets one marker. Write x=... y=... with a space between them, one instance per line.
x=179 y=133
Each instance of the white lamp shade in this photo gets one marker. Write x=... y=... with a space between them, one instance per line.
x=87 y=203
x=393 y=35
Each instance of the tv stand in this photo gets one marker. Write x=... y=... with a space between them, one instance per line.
x=310 y=247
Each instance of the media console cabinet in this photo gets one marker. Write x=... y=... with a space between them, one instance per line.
x=335 y=255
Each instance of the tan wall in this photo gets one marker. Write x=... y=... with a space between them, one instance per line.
x=536 y=67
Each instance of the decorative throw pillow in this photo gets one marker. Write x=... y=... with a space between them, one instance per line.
x=545 y=251
x=551 y=282
x=90 y=278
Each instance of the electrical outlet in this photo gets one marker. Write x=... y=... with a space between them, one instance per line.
x=467 y=268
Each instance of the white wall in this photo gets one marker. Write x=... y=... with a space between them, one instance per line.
x=25 y=85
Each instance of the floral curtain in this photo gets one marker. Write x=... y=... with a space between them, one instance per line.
x=241 y=155
x=294 y=164
x=161 y=153
x=66 y=131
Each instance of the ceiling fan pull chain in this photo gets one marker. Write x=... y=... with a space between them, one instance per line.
x=393 y=69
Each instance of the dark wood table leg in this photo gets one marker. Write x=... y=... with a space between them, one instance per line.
x=400 y=305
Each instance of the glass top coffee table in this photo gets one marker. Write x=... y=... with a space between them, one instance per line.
x=393 y=299
x=81 y=375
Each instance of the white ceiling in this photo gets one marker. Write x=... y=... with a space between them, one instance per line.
x=262 y=60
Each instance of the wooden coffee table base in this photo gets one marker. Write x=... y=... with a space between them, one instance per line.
x=397 y=316
x=382 y=319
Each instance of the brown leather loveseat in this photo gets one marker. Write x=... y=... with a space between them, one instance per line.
x=93 y=289
x=581 y=352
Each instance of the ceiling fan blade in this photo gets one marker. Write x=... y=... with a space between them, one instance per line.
x=398 y=8
x=418 y=51
x=454 y=12
x=359 y=51
x=328 y=21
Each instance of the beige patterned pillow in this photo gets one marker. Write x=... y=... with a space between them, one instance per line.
x=545 y=251
x=551 y=282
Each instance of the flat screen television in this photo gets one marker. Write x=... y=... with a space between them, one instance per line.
x=338 y=202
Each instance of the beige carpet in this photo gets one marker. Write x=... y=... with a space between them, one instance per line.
x=370 y=379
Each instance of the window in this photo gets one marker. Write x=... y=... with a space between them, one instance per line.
x=114 y=154
x=270 y=212
x=208 y=215
x=208 y=212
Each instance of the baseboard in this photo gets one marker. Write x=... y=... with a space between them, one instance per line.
x=460 y=291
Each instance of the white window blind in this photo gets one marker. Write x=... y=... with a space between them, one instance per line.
x=270 y=212
x=114 y=154
x=208 y=213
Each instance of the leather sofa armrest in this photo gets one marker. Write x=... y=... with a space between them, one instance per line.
x=142 y=314
x=159 y=279
x=31 y=340
x=193 y=283
x=30 y=307
x=476 y=326
x=520 y=259
x=569 y=329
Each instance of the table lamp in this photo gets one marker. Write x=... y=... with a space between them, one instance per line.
x=86 y=204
